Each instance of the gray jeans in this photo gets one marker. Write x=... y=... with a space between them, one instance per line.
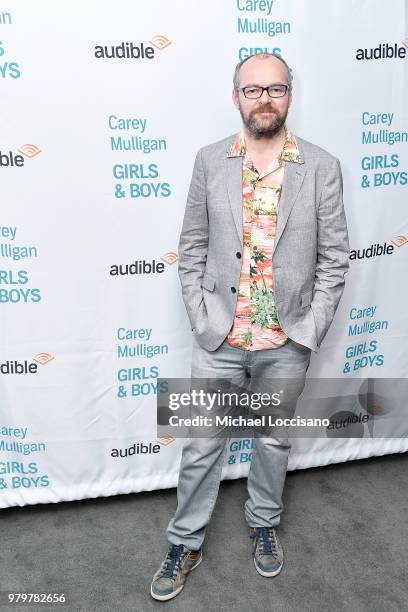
x=203 y=458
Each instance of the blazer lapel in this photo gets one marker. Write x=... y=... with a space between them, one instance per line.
x=293 y=176
x=233 y=170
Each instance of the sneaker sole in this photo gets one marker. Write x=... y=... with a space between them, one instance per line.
x=267 y=574
x=175 y=593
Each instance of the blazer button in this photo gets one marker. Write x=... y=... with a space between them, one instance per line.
x=238 y=255
x=233 y=290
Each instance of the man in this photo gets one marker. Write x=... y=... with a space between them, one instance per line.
x=262 y=257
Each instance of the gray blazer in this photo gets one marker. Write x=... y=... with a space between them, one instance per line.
x=310 y=255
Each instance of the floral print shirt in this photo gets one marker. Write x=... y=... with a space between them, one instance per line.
x=256 y=324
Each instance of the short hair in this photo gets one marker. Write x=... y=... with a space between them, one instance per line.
x=265 y=56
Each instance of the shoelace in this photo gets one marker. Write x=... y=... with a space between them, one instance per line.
x=267 y=541
x=172 y=560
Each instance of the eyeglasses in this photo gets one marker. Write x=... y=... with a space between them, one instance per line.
x=274 y=91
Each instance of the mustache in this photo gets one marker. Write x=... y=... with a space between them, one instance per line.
x=264 y=109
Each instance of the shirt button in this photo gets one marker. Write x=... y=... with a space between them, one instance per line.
x=238 y=255
x=233 y=290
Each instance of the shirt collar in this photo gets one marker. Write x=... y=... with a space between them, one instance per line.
x=290 y=150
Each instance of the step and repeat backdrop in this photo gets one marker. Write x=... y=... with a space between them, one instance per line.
x=103 y=107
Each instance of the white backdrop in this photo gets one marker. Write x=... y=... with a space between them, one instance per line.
x=75 y=337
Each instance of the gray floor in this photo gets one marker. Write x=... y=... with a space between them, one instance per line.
x=344 y=533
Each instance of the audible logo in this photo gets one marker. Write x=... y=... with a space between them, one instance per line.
x=139 y=448
x=141 y=266
x=15 y=367
x=131 y=50
x=374 y=250
x=125 y=50
x=382 y=51
x=43 y=358
x=170 y=258
x=30 y=150
x=166 y=440
x=160 y=41
x=11 y=159
x=138 y=267
x=400 y=240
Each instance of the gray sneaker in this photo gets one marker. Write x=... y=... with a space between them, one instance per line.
x=267 y=551
x=169 y=580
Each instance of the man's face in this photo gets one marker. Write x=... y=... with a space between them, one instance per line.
x=264 y=116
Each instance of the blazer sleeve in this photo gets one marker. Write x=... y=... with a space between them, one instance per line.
x=193 y=242
x=332 y=251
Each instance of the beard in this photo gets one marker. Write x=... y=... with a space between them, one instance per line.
x=265 y=127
